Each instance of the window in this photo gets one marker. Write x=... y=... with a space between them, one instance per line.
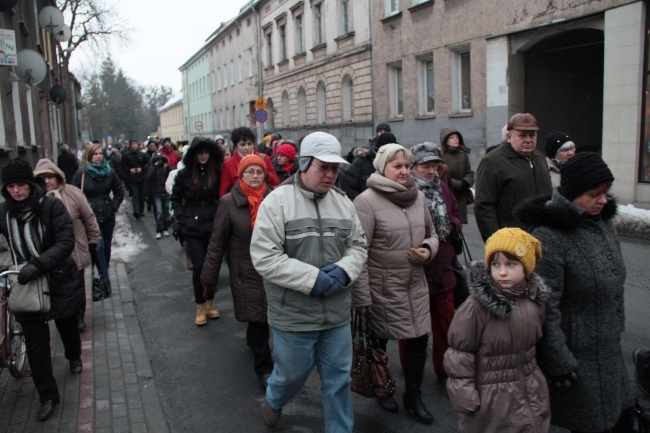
x=302 y=107
x=240 y=72
x=242 y=115
x=300 y=44
x=392 y=7
x=221 y=125
x=232 y=72
x=425 y=87
x=346 y=25
x=461 y=81
x=228 y=119
x=283 y=43
x=269 y=51
x=320 y=100
x=250 y=63
x=347 y=90
x=225 y=75
x=219 y=79
x=396 y=91
x=213 y=82
x=318 y=25
x=285 y=108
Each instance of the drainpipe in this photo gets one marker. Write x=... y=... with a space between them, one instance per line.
x=260 y=127
x=372 y=65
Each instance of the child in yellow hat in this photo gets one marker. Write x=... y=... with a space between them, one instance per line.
x=494 y=382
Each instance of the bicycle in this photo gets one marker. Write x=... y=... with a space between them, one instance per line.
x=13 y=350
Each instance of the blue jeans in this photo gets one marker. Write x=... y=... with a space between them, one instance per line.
x=161 y=203
x=296 y=354
x=104 y=248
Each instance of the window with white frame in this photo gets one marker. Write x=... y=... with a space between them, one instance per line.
x=218 y=74
x=232 y=72
x=396 y=90
x=427 y=97
x=461 y=81
x=300 y=43
x=347 y=97
x=285 y=108
x=318 y=25
x=269 y=51
x=225 y=76
x=302 y=106
x=392 y=7
x=283 y=42
x=240 y=67
x=320 y=103
x=213 y=81
x=346 y=19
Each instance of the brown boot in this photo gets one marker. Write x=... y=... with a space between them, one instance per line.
x=200 y=315
x=210 y=310
x=189 y=260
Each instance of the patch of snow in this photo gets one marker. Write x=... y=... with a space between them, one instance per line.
x=634 y=212
x=126 y=243
x=633 y=222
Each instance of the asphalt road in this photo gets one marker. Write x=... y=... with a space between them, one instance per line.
x=205 y=376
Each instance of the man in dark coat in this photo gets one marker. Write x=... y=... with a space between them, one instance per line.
x=355 y=177
x=68 y=163
x=509 y=174
x=134 y=163
x=40 y=234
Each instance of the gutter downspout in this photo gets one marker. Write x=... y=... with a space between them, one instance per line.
x=260 y=127
x=372 y=65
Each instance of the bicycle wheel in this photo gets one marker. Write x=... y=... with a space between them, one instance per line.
x=18 y=348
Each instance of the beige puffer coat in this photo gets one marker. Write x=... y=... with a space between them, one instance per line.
x=396 y=289
x=494 y=381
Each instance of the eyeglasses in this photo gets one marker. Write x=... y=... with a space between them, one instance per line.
x=254 y=172
x=567 y=149
x=333 y=168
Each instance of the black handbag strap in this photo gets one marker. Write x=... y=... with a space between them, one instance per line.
x=466 y=252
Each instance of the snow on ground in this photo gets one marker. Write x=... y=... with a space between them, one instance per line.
x=632 y=221
x=126 y=243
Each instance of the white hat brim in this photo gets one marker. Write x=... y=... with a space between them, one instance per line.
x=332 y=159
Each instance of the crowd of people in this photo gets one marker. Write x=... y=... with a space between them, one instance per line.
x=310 y=237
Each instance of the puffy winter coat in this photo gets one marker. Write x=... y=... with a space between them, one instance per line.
x=156 y=177
x=57 y=243
x=460 y=169
x=358 y=173
x=396 y=289
x=504 y=179
x=583 y=265
x=230 y=174
x=494 y=382
x=86 y=229
x=98 y=193
x=231 y=238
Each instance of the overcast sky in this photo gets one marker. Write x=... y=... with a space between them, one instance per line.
x=166 y=34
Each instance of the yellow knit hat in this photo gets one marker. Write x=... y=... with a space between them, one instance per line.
x=517 y=242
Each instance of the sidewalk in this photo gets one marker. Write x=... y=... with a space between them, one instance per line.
x=116 y=391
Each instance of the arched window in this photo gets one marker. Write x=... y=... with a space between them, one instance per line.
x=270 y=121
x=347 y=96
x=320 y=101
x=285 y=108
x=302 y=106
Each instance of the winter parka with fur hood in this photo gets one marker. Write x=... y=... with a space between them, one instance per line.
x=396 y=289
x=583 y=265
x=458 y=162
x=494 y=382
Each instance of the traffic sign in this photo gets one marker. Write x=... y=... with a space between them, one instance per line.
x=261 y=115
x=198 y=125
x=260 y=103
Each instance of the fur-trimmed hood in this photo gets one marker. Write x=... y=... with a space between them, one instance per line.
x=557 y=212
x=491 y=297
x=199 y=143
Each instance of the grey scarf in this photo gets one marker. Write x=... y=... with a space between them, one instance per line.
x=432 y=192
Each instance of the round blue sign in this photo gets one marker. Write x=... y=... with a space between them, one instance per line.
x=261 y=115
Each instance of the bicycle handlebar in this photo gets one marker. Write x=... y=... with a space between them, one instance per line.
x=8 y=272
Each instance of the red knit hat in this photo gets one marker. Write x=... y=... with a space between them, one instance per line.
x=287 y=150
x=248 y=161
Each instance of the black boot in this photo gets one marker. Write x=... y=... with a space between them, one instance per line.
x=413 y=368
x=388 y=404
x=107 y=289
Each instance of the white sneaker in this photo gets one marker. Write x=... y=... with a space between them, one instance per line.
x=166 y=233
x=158 y=235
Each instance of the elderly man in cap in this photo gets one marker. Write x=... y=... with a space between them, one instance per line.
x=510 y=173
x=308 y=246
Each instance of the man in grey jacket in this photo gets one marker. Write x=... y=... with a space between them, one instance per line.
x=309 y=246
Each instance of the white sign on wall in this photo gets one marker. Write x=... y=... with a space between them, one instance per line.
x=8 y=54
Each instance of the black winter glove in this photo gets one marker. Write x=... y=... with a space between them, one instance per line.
x=465 y=185
x=177 y=226
x=28 y=273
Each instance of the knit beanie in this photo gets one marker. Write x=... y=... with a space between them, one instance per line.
x=266 y=139
x=248 y=161
x=585 y=171
x=387 y=153
x=517 y=242
x=17 y=170
x=385 y=126
x=384 y=139
x=555 y=140
x=287 y=150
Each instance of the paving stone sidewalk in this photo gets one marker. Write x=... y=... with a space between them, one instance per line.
x=116 y=391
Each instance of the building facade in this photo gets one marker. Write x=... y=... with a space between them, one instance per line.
x=197 y=100
x=171 y=119
x=579 y=67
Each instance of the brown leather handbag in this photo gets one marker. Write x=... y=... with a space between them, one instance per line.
x=372 y=375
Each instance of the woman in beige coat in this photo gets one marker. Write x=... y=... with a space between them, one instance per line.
x=401 y=238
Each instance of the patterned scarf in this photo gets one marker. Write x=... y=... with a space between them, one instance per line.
x=398 y=194
x=255 y=197
x=436 y=204
x=98 y=171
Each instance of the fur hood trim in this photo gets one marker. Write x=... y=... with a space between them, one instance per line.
x=557 y=212
x=491 y=297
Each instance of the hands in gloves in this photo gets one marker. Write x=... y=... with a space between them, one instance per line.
x=465 y=185
x=176 y=225
x=564 y=380
x=28 y=273
x=418 y=256
x=337 y=274
x=325 y=285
